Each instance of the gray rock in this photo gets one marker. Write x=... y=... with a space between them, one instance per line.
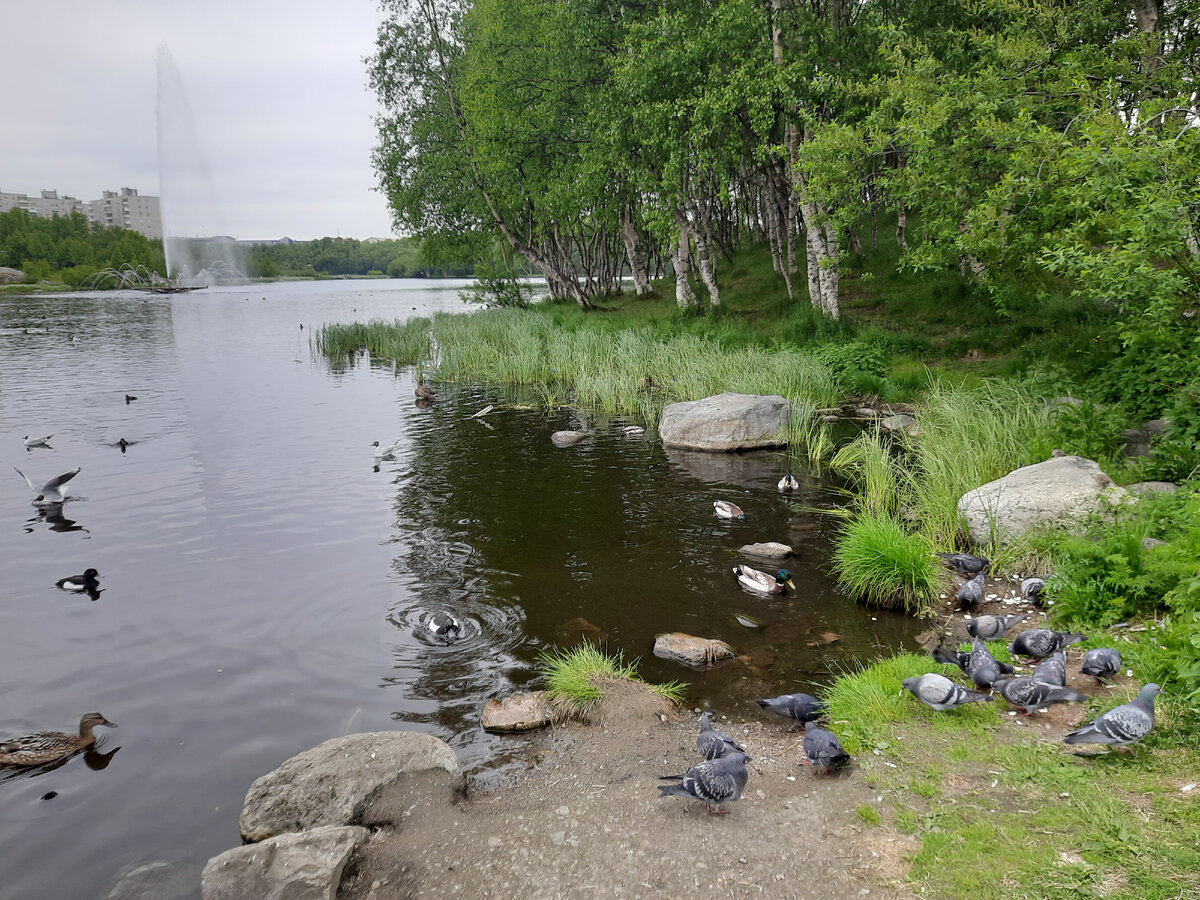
x=567 y=438
x=520 y=712
x=1156 y=427
x=158 y=880
x=1061 y=491
x=329 y=784
x=1146 y=488
x=11 y=276
x=900 y=422
x=1135 y=443
x=303 y=866
x=768 y=550
x=1149 y=543
x=697 y=652
x=726 y=422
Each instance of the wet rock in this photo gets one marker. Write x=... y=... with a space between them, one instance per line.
x=726 y=422
x=580 y=631
x=158 y=880
x=1061 y=491
x=520 y=712
x=567 y=438
x=866 y=412
x=768 y=550
x=900 y=422
x=303 y=866
x=696 y=652
x=1146 y=488
x=329 y=784
x=1156 y=427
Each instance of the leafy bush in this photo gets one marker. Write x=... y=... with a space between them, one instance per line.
x=879 y=561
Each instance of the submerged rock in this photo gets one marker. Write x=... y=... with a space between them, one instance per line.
x=768 y=550
x=696 y=652
x=567 y=438
x=726 y=422
x=519 y=712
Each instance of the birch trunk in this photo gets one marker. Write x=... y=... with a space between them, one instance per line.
x=692 y=227
x=685 y=297
x=633 y=250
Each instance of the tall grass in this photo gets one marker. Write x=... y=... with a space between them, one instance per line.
x=576 y=677
x=407 y=342
x=878 y=560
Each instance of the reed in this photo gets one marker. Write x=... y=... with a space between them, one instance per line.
x=407 y=342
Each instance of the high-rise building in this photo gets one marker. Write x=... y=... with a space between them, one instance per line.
x=125 y=208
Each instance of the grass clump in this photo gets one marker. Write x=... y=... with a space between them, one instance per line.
x=408 y=342
x=880 y=561
x=869 y=814
x=575 y=678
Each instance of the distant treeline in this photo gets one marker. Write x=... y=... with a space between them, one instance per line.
x=70 y=249
x=335 y=257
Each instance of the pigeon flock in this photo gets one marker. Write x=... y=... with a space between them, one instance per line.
x=721 y=778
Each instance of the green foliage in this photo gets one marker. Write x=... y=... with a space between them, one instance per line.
x=499 y=287
x=577 y=676
x=68 y=249
x=878 y=560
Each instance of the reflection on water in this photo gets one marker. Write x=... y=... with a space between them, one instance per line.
x=267 y=581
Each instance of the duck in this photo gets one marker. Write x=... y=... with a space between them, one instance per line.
x=424 y=392
x=31 y=442
x=129 y=398
x=43 y=747
x=788 y=483
x=445 y=626
x=726 y=510
x=763 y=583
x=88 y=581
x=52 y=491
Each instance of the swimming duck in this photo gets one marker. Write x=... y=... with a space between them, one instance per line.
x=88 y=581
x=788 y=483
x=726 y=510
x=51 y=491
x=445 y=626
x=761 y=582
x=380 y=452
x=425 y=392
x=50 y=746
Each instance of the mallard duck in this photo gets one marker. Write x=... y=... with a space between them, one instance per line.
x=88 y=581
x=52 y=491
x=788 y=483
x=50 y=746
x=761 y=582
x=445 y=626
x=726 y=510
x=424 y=392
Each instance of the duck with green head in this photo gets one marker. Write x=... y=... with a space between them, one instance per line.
x=762 y=582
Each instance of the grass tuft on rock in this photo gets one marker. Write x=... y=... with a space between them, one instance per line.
x=576 y=678
x=878 y=560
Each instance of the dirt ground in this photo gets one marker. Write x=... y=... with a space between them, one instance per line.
x=588 y=822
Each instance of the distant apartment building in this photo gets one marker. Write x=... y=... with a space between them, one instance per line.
x=125 y=208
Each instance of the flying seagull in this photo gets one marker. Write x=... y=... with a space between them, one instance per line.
x=52 y=491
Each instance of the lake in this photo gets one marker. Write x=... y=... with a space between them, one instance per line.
x=264 y=583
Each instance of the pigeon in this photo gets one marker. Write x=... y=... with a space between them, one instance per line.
x=713 y=743
x=1031 y=588
x=1123 y=725
x=88 y=581
x=726 y=510
x=445 y=626
x=52 y=491
x=970 y=594
x=801 y=707
x=965 y=563
x=940 y=693
x=823 y=750
x=1053 y=669
x=1041 y=642
x=992 y=627
x=982 y=668
x=37 y=441
x=718 y=781
x=1102 y=663
x=962 y=659
x=381 y=453
x=1030 y=694
x=788 y=483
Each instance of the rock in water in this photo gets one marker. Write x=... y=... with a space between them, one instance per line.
x=940 y=693
x=989 y=628
x=718 y=781
x=1123 y=725
x=823 y=750
x=801 y=707
x=1030 y=694
x=1041 y=642
x=713 y=743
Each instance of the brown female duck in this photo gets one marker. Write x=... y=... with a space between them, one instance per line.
x=50 y=746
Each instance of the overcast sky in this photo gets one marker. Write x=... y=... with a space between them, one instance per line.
x=277 y=93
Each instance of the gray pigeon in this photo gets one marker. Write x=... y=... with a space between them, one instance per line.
x=982 y=668
x=713 y=743
x=970 y=594
x=1102 y=663
x=823 y=750
x=718 y=781
x=992 y=627
x=1041 y=642
x=1123 y=725
x=801 y=707
x=1030 y=694
x=940 y=693
x=1031 y=588
x=965 y=563
x=52 y=491
x=962 y=659
x=1052 y=669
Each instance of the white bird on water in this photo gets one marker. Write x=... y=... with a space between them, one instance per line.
x=37 y=441
x=381 y=453
x=52 y=491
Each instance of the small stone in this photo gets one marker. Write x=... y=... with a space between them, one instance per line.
x=563 y=811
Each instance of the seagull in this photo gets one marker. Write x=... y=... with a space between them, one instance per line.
x=37 y=441
x=1123 y=725
x=940 y=693
x=801 y=707
x=88 y=581
x=1030 y=694
x=723 y=509
x=971 y=594
x=381 y=453
x=1041 y=642
x=712 y=743
x=1102 y=663
x=965 y=563
x=788 y=483
x=52 y=490
x=1053 y=669
x=718 y=781
x=991 y=627
x=445 y=626
x=823 y=750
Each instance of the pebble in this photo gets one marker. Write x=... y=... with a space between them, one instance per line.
x=563 y=811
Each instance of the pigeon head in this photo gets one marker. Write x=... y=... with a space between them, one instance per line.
x=1149 y=692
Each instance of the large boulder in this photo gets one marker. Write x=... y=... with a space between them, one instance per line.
x=1061 y=491
x=726 y=422
x=11 y=276
x=330 y=784
x=304 y=866
x=692 y=651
